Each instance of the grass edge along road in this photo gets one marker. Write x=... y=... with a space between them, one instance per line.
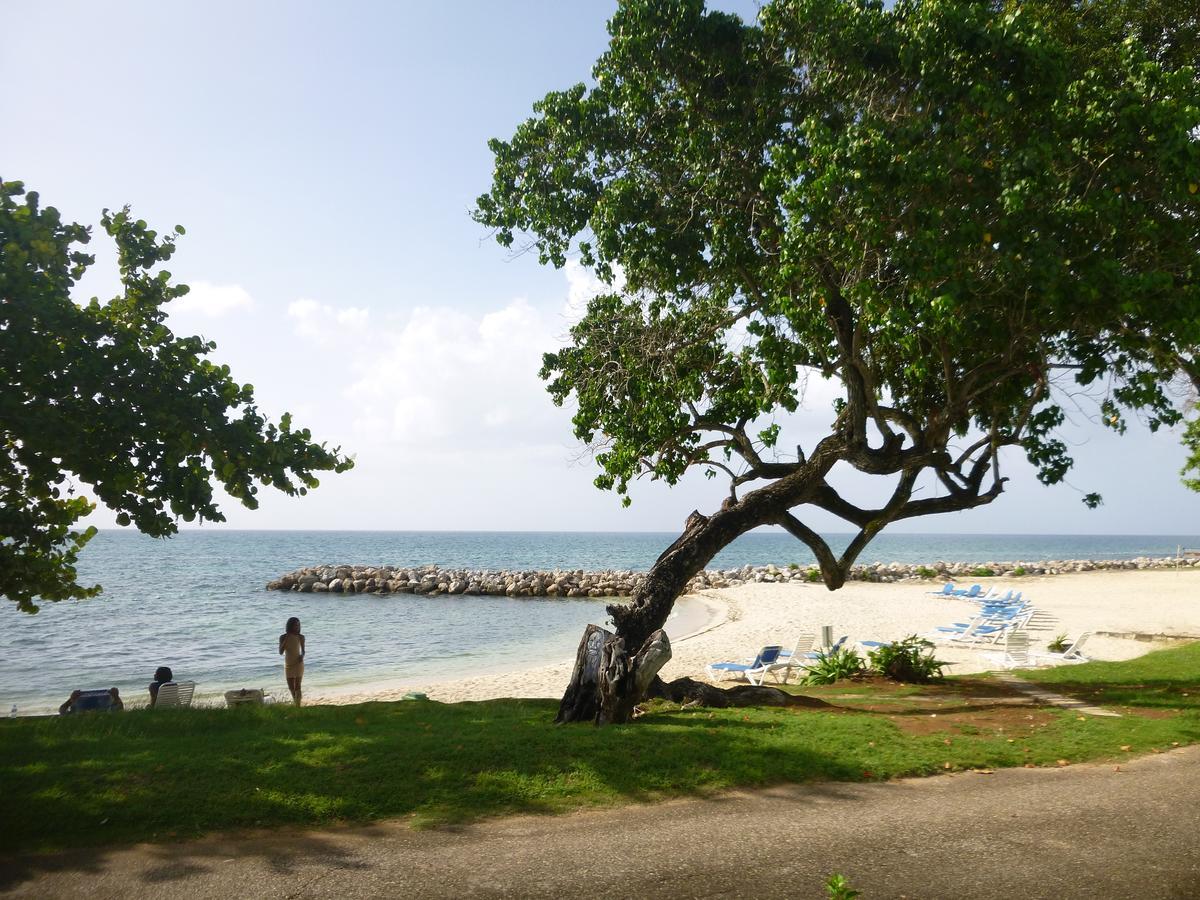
x=169 y=774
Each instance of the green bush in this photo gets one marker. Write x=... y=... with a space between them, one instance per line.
x=793 y=566
x=813 y=575
x=983 y=572
x=926 y=572
x=1019 y=571
x=839 y=888
x=834 y=666
x=1059 y=644
x=910 y=660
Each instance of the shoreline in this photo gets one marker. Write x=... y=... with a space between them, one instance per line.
x=700 y=615
x=1150 y=609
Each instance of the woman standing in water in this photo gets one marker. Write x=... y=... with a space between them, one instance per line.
x=291 y=645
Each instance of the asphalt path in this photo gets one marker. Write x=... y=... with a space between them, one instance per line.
x=1101 y=832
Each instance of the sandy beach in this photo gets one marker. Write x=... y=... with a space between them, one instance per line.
x=1153 y=605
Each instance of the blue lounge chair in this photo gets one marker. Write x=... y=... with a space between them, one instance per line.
x=754 y=672
x=99 y=700
x=947 y=591
x=969 y=593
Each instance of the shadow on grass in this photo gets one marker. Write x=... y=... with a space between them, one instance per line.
x=1166 y=679
x=79 y=782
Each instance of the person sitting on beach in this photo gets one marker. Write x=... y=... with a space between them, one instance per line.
x=162 y=675
x=291 y=643
x=115 y=704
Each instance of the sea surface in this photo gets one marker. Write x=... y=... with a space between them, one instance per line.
x=197 y=603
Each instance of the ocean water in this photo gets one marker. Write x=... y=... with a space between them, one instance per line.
x=197 y=603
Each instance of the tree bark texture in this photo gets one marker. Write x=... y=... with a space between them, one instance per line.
x=607 y=682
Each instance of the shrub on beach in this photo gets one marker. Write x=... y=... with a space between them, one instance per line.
x=835 y=666
x=910 y=660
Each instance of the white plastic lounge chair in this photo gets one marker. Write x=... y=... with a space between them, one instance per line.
x=1073 y=654
x=763 y=663
x=804 y=660
x=805 y=643
x=175 y=693
x=1016 y=653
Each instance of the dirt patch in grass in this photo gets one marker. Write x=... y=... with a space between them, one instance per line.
x=1016 y=721
x=1150 y=712
x=960 y=706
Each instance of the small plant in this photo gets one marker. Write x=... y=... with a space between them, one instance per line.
x=926 y=572
x=793 y=566
x=910 y=660
x=834 y=666
x=839 y=888
x=982 y=572
x=1059 y=644
x=813 y=575
x=1019 y=571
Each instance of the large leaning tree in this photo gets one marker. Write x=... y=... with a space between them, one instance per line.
x=106 y=396
x=943 y=207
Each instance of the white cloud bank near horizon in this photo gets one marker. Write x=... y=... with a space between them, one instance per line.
x=452 y=429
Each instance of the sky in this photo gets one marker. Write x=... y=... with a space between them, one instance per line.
x=324 y=159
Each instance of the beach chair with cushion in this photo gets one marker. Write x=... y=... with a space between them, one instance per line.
x=175 y=694
x=754 y=671
x=969 y=593
x=99 y=700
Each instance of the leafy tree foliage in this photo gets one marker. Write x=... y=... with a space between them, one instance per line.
x=946 y=207
x=106 y=395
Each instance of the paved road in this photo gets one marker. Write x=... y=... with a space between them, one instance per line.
x=1081 y=831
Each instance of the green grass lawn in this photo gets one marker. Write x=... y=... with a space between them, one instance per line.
x=166 y=774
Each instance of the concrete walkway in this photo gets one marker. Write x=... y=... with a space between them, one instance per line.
x=1102 y=832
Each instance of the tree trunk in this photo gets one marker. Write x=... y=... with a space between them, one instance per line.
x=604 y=685
x=607 y=683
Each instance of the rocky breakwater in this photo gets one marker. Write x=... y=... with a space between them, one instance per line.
x=436 y=580
x=622 y=583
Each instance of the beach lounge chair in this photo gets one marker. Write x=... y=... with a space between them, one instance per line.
x=947 y=591
x=175 y=693
x=99 y=700
x=757 y=669
x=804 y=660
x=805 y=643
x=1073 y=654
x=1016 y=653
x=969 y=593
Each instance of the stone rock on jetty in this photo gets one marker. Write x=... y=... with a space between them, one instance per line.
x=622 y=583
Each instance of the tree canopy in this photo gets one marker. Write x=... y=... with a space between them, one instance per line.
x=107 y=396
x=949 y=208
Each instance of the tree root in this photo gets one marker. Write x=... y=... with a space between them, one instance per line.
x=688 y=690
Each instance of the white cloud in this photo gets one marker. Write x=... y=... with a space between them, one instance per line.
x=464 y=379
x=321 y=322
x=212 y=300
x=582 y=286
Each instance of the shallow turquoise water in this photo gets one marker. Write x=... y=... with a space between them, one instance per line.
x=197 y=603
